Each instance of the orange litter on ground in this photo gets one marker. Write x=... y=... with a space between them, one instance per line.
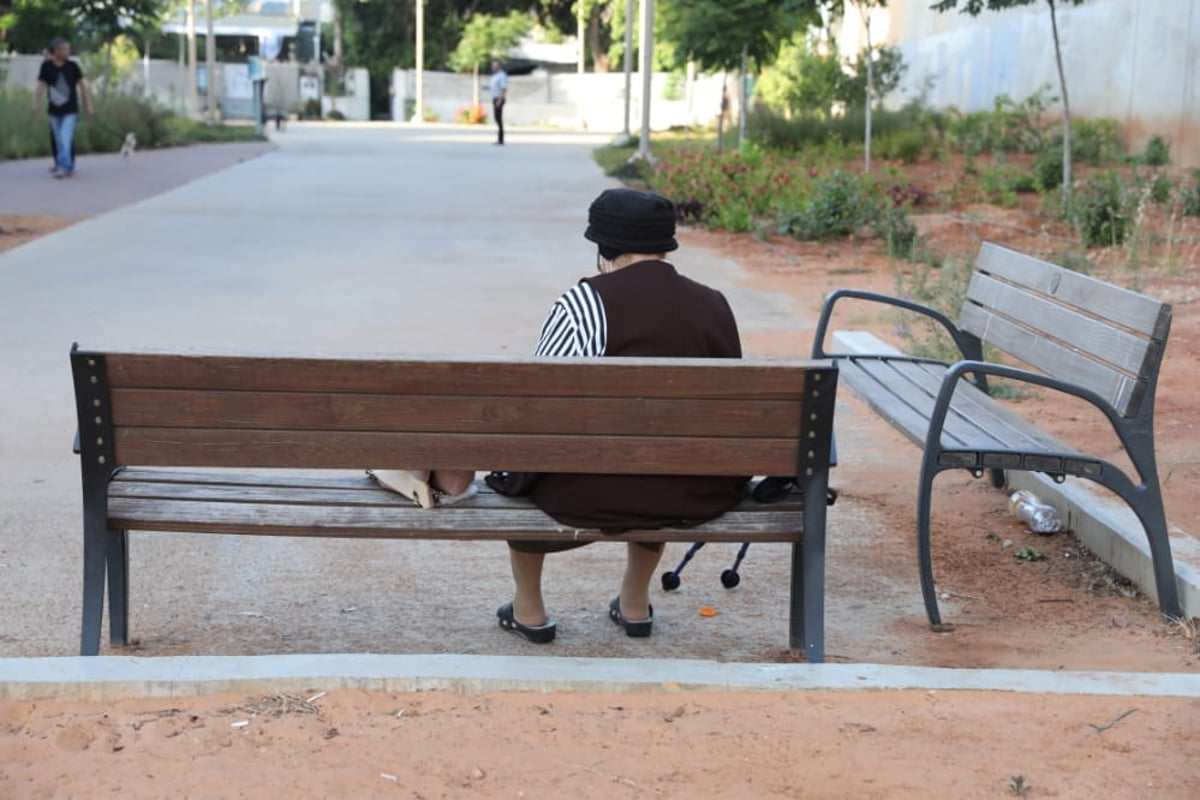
x=707 y=611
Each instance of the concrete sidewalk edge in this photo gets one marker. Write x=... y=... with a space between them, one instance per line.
x=1102 y=522
x=106 y=678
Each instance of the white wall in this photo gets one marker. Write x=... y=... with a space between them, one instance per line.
x=1137 y=61
x=168 y=86
x=566 y=100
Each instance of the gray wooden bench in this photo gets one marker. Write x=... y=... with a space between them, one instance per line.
x=210 y=443
x=1078 y=335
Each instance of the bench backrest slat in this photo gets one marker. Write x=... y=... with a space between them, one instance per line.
x=1078 y=328
x=643 y=416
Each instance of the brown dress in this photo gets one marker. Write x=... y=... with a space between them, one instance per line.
x=651 y=311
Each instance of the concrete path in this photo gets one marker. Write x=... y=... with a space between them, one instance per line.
x=366 y=239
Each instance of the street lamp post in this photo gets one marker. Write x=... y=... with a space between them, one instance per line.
x=419 y=106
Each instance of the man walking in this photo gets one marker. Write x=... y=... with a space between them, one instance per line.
x=62 y=81
x=499 y=95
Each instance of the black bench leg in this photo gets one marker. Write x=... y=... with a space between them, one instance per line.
x=807 y=618
x=116 y=551
x=924 y=549
x=93 y=588
x=1148 y=506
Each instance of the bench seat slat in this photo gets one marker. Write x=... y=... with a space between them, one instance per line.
x=350 y=450
x=898 y=400
x=367 y=493
x=518 y=520
x=1006 y=428
x=317 y=479
x=979 y=422
x=427 y=413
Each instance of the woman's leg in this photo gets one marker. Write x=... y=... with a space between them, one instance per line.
x=453 y=481
x=640 y=566
x=528 y=607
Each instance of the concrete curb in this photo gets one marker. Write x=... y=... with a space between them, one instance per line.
x=1102 y=522
x=108 y=678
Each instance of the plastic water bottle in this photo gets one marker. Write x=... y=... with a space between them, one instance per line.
x=1029 y=508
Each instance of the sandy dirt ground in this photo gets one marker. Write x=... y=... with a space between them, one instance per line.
x=820 y=744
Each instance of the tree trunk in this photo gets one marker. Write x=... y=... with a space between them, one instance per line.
x=724 y=111
x=475 y=85
x=870 y=95
x=107 y=70
x=742 y=102
x=1066 y=104
x=599 y=56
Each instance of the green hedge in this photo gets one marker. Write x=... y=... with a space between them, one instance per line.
x=23 y=136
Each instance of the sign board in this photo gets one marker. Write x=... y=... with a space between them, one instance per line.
x=310 y=88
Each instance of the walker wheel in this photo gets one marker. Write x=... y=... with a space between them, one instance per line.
x=730 y=579
x=670 y=581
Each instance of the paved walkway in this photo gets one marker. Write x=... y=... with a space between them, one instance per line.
x=380 y=239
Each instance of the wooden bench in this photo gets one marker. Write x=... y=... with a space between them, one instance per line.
x=1079 y=335
x=210 y=443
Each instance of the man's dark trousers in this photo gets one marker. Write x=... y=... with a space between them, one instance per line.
x=498 y=113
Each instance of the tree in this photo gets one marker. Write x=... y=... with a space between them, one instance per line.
x=729 y=34
x=106 y=20
x=809 y=78
x=27 y=26
x=486 y=37
x=975 y=7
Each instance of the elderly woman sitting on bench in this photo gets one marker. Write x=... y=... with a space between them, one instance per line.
x=638 y=305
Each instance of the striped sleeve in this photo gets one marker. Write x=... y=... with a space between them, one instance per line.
x=576 y=325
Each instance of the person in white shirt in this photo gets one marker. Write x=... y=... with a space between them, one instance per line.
x=499 y=87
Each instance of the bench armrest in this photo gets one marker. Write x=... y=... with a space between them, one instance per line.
x=980 y=369
x=968 y=345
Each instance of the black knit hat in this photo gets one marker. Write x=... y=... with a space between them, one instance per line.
x=626 y=221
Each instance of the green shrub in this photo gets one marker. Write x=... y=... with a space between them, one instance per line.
x=727 y=190
x=941 y=286
x=776 y=132
x=1010 y=127
x=1095 y=141
x=1161 y=188
x=1048 y=168
x=841 y=204
x=1157 y=152
x=898 y=233
x=904 y=146
x=22 y=136
x=1102 y=210
x=1189 y=195
x=1002 y=183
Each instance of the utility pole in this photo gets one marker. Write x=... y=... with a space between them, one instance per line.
x=579 y=33
x=643 y=153
x=628 y=65
x=190 y=108
x=419 y=106
x=210 y=61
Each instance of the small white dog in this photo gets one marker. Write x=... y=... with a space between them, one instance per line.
x=129 y=145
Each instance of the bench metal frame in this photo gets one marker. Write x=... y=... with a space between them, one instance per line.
x=1135 y=431
x=800 y=521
